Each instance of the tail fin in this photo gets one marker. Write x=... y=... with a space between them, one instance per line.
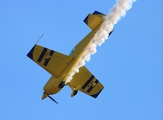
x=93 y=20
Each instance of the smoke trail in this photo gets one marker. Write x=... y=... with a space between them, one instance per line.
x=119 y=10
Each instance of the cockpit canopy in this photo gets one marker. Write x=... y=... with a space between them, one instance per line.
x=72 y=51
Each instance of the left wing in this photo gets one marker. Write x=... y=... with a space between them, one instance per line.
x=87 y=82
x=52 y=61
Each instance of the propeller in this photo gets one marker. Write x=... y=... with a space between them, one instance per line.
x=52 y=99
x=47 y=95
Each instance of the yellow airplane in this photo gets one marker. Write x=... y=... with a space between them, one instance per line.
x=59 y=65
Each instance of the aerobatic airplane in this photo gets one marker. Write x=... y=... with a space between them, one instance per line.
x=59 y=65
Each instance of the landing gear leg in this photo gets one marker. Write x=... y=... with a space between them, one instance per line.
x=74 y=90
x=61 y=84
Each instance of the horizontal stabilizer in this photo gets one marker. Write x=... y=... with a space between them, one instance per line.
x=97 y=12
x=94 y=20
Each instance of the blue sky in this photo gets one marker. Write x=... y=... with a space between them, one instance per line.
x=129 y=64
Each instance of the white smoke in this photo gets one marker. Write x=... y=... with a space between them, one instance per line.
x=119 y=10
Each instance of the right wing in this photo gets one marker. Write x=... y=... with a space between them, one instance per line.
x=87 y=82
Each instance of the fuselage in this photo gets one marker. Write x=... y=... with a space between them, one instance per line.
x=53 y=85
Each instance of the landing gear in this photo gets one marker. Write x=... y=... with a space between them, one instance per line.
x=75 y=90
x=61 y=84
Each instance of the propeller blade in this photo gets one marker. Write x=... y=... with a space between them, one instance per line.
x=52 y=99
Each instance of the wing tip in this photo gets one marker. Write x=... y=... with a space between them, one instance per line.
x=30 y=53
x=96 y=95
